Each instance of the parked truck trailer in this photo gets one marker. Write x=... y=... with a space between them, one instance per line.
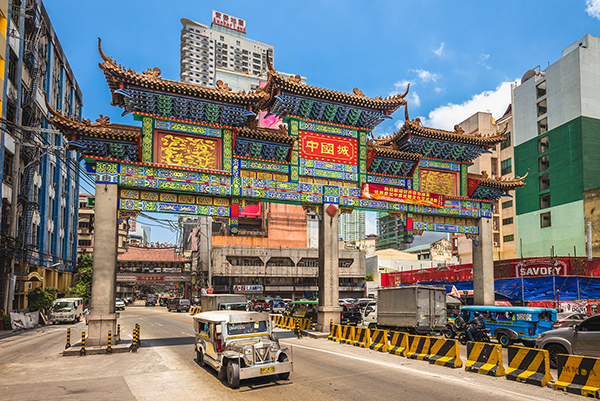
x=213 y=301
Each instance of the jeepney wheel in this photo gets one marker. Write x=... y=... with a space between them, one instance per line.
x=233 y=374
x=200 y=358
x=449 y=332
x=503 y=339
x=283 y=358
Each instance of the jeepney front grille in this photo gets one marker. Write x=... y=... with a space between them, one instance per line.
x=262 y=354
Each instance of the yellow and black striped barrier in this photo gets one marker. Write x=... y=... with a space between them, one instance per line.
x=139 y=340
x=134 y=345
x=118 y=332
x=194 y=310
x=347 y=335
x=529 y=365
x=68 y=339
x=444 y=352
x=109 y=346
x=379 y=340
x=578 y=375
x=362 y=337
x=82 y=350
x=485 y=359
x=334 y=332
x=398 y=343
x=417 y=347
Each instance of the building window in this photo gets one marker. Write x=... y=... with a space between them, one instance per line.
x=541 y=89
x=544 y=163
x=222 y=38
x=542 y=126
x=84 y=242
x=13 y=63
x=496 y=237
x=509 y=238
x=506 y=142
x=507 y=204
x=543 y=144
x=544 y=202
x=506 y=166
x=496 y=223
x=542 y=108
x=507 y=221
x=237 y=43
x=494 y=166
x=8 y=167
x=84 y=224
x=545 y=220
x=544 y=182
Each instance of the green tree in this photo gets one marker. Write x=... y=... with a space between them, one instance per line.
x=83 y=278
x=369 y=277
x=42 y=298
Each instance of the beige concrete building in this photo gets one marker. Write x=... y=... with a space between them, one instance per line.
x=497 y=163
x=85 y=228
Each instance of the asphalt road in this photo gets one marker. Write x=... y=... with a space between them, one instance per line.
x=33 y=368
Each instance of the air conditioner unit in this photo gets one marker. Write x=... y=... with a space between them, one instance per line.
x=496 y=244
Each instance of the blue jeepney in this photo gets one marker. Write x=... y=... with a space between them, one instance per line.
x=510 y=324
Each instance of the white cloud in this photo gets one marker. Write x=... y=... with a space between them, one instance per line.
x=482 y=61
x=437 y=89
x=370 y=223
x=400 y=86
x=413 y=99
x=426 y=76
x=446 y=117
x=440 y=50
x=593 y=8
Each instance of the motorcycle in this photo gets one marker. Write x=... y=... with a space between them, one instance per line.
x=480 y=336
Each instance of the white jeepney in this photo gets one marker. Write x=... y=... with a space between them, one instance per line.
x=240 y=345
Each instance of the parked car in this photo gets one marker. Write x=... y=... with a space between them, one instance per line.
x=580 y=339
x=119 y=304
x=261 y=304
x=151 y=302
x=277 y=305
x=569 y=319
x=351 y=315
x=179 y=305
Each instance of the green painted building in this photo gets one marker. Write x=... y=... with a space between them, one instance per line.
x=557 y=138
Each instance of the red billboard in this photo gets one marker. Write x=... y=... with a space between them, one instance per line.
x=328 y=148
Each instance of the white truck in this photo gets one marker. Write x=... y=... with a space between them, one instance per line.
x=66 y=310
x=414 y=309
x=213 y=301
x=240 y=345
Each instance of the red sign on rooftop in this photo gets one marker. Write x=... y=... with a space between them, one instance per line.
x=228 y=21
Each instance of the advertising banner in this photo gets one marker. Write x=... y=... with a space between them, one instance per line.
x=328 y=148
x=247 y=288
x=401 y=195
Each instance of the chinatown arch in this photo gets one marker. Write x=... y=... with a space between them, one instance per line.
x=203 y=151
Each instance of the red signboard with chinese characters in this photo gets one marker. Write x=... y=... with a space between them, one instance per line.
x=228 y=21
x=401 y=195
x=328 y=148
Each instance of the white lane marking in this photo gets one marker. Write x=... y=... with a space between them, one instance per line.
x=129 y=335
x=183 y=332
x=158 y=324
x=432 y=375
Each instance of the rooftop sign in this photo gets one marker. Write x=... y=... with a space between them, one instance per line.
x=228 y=21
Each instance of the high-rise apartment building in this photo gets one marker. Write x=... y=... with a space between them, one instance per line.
x=390 y=233
x=40 y=178
x=556 y=116
x=352 y=226
x=222 y=52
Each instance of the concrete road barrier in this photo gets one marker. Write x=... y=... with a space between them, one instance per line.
x=444 y=352
x=379 y=340
x=334 y=332
x=347 y=335
x=485 y=359
x=529 y=365
x=417 y=347
x=578 y=375
x=362 y=337
x=398 y=343
x=194 y=310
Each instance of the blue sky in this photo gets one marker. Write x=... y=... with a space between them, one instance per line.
x=460 y=57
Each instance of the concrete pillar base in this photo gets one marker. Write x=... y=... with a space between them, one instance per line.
x=327 y=314
x=98 y=328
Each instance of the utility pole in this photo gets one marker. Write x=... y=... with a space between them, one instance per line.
x=14 y=217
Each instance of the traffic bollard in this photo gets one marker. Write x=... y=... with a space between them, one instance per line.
x=68 y=338
x=297 y=328
x=109 y=347
x=134 y=343
x=119 y=331
x=82 y=350
x=139 y=340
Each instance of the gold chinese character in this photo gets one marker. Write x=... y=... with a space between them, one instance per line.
x=312 y=145
x=327 y=148
x=343 y=150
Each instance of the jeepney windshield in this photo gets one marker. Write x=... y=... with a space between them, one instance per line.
x=247 y=328
x=62 y=305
